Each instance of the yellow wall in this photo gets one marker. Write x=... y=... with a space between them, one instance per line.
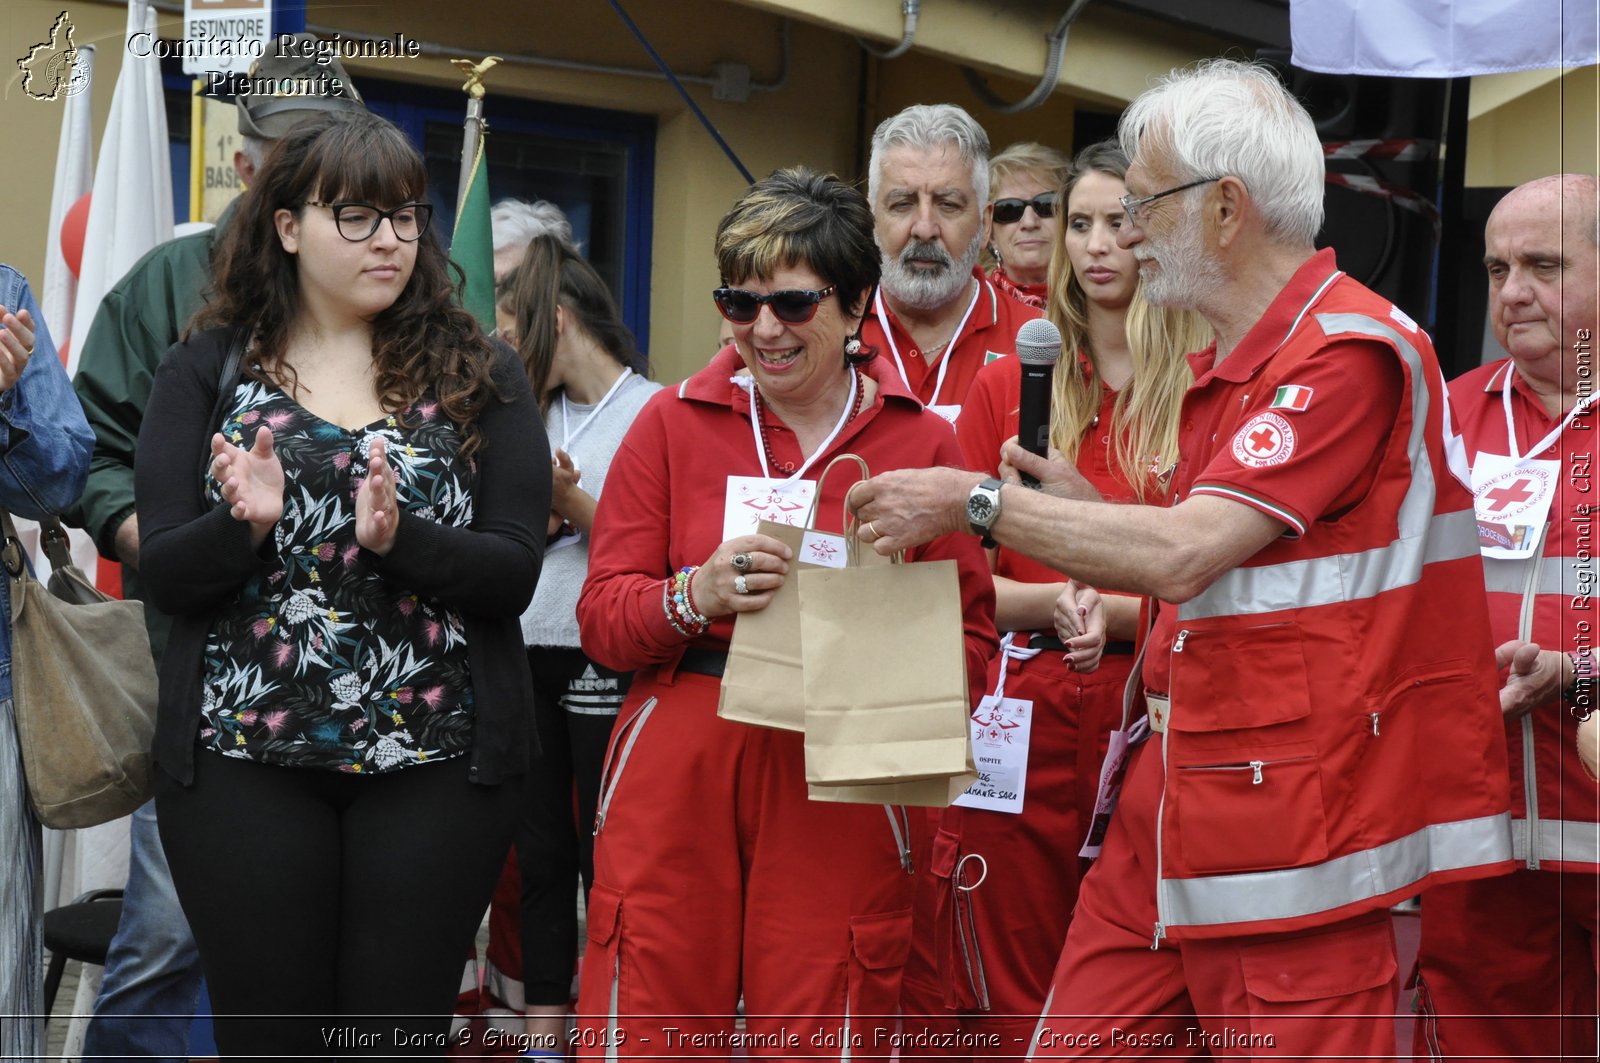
x=1550 y=129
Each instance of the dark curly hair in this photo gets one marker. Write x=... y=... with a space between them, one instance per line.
x=798 y=217
x=423 y=340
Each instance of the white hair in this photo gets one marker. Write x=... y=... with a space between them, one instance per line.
x=1222 y=118
x=924 y=125
x=517 y=223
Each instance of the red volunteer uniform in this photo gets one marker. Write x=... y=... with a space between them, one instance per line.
x=1330 y=747
x=713 y=872
x=1507 y=965
x=988 y=332
x=982 y=957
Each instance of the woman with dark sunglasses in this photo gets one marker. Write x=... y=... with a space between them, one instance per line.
x=715 y=876
x=1023 y=180
x=1116 y=395
x=346 y=531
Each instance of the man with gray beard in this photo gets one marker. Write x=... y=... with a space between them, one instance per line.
x=935 y=315
x=1311 y=744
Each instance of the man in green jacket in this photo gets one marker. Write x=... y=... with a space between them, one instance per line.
x=152 y=974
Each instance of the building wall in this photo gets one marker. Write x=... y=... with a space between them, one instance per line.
x=1550 y=129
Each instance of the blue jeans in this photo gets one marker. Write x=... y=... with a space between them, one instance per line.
x=152 y=978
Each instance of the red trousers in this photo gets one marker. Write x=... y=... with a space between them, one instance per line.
x=983 y=952
x=1324 y=993
x=715 y=874
x=1507 y=968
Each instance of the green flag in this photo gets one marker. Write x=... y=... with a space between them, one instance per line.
x=472 y=245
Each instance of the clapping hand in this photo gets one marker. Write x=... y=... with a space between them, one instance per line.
x=16 y=346
x=377 y=508
x=251 y=481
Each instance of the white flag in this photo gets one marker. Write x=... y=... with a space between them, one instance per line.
x=74 y=178
x=131 y=211
x=1443 y=38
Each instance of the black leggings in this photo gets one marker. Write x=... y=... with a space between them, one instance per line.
x=322 y=901
x=574 y=707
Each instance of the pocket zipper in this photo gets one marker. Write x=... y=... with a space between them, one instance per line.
x=1255 y=767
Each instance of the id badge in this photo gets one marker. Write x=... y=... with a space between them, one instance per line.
x=752 y=499
x=1511 y=499
x=1000 y=730
x=1105 y=798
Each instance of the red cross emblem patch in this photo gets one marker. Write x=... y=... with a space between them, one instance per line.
x=1506 y=497
x=1265 y=440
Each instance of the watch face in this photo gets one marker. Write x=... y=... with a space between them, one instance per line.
x=980 y=509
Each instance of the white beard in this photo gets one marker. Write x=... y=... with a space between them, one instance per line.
x=1188 y=270
x=923 y=289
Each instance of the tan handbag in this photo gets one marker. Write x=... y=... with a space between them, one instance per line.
x=762 y=684
x=84 y=686
x=884 y=670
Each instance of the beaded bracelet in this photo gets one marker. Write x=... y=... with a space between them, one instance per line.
x=666 y=607
x=683 y=601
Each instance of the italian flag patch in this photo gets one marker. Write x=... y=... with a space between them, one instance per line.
x=1291 y=397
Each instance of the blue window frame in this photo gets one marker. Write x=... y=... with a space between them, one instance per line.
x=597 y=165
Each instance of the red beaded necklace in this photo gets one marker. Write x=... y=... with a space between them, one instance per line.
x=788 y=467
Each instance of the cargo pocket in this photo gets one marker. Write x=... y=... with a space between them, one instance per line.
x=1238 y=678
x=1298 y=984
x=960 y=957
x=601 y=987
x=1269 y=798
x=879 y=945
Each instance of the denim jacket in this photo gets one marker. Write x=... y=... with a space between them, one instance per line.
x=44 y=440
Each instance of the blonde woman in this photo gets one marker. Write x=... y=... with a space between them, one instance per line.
x=1025 y=221
x=993 y=914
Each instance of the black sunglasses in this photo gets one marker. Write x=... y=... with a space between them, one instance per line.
x=1007 y=211
x=792 y=306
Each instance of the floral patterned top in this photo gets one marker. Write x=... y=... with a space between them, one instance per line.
x=320 y=662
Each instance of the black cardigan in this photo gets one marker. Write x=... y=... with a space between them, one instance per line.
x=194 y=556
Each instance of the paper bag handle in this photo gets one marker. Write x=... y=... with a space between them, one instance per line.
x=816 y=499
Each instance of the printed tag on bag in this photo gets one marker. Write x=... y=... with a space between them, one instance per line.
x=752 y=499
x=823 y=548
x=1000 y=731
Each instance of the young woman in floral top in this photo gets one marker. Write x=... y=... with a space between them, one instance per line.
x=347 y=576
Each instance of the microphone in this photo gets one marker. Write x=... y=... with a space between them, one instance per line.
x=1038 y=348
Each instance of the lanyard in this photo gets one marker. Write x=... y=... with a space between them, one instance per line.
x=1555 y=433
x=1008 y=653
x=749 y=384
x=569 y=433
x=944 y=356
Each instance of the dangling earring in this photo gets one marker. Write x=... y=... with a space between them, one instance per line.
x=852 y=347
x=994 y=249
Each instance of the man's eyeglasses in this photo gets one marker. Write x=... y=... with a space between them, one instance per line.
x=1007 y=211
x=793 y=306
x=1135 y=206
x=358 y=221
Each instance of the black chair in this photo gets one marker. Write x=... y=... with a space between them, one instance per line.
x=79 y=931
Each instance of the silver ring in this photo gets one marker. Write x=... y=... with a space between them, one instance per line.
x=741 y=563
x=740 y=585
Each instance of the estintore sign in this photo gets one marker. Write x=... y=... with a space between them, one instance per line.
x=225 y=35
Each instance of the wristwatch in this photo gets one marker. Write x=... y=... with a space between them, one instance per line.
x=983 y=509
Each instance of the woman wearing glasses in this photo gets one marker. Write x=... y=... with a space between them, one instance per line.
x=345 y=535
x=714 y=875
x=1117 y=391
x=1023 y=180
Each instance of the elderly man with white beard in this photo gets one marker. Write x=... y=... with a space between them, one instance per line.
x=1318 y=735
x=936 y=315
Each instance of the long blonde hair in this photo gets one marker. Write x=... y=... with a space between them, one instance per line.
x=1144 y=426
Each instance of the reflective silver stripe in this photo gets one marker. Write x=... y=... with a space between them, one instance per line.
x=1423 y=538
x=611 y=1019
x=1038 y=1027
x=1571 y=840
x=1259 y=896
x=636 y=722
x=844 y=1042
x=1339 y=578
x=1554 y=575
x=1530 y=787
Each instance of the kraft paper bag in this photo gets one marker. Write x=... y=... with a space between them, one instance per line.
x=762 y=684
x=884 y=672
x=925 y=793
